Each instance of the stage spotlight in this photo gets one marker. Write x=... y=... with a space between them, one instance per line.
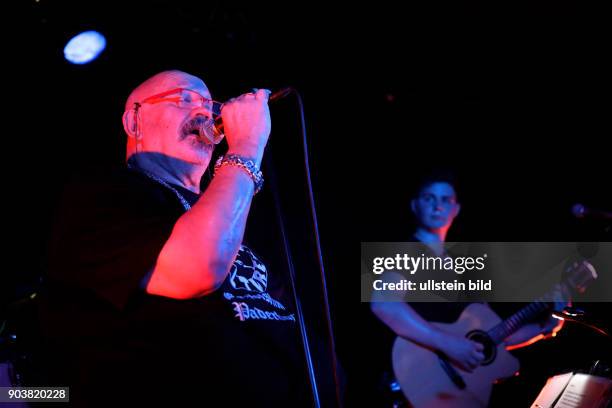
x=84 y=47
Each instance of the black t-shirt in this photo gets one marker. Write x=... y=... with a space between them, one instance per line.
x=106 y=337
x=448 y=309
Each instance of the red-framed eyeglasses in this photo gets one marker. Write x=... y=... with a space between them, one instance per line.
x=190 y=99
x=184 y=98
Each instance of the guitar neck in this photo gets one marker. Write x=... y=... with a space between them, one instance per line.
x=517 y=320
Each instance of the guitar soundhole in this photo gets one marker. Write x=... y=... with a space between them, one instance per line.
x=490 y=348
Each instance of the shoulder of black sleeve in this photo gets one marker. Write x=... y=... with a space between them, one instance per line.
x=109 y=230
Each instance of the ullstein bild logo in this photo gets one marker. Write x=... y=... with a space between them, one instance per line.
x=412 y=264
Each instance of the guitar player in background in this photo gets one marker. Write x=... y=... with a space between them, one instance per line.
x=435 y=206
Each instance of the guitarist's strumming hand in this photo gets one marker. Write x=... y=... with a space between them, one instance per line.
x=464 y=353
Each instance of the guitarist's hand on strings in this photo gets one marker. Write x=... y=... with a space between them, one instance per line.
x=561 y=299
x=464 y=353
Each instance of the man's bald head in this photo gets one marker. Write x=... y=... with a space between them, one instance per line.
x=161 y=127
x=165 y=81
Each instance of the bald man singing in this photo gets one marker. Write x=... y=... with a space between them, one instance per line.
x=152 y=297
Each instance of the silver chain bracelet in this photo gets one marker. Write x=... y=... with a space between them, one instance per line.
x=247 y=165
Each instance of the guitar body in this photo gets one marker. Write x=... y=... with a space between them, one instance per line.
x=424 y=381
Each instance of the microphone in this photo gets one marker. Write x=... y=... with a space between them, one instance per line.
x=581 y=211
x=214 y=130
x=281 y=93
x=274 y=96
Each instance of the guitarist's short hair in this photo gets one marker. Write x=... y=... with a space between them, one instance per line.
x=438 y=175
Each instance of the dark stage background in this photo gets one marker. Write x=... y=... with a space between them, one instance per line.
x=514 y=100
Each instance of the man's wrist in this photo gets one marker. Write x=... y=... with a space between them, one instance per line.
x=247 y=165
x=254 y=154
x=437 y=338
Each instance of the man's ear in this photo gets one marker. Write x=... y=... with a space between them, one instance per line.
x=130 y=123
x=413 y=206
x=457 y=209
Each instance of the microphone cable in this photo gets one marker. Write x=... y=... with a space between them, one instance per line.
x=315 y=228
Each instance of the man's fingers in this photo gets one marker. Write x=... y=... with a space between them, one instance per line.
x=259 y=94
x=262 y=94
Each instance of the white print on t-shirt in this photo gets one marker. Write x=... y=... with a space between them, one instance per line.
x=248 y=272
x=262 y=296
x=244 y=312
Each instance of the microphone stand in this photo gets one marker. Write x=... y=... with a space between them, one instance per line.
x=288 y=257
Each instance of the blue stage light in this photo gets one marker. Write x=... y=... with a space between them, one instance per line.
x=84 y=47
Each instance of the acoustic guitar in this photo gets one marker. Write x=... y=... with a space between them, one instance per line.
x=428 y=378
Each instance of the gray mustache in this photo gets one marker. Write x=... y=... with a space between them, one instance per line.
x=201 y=125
